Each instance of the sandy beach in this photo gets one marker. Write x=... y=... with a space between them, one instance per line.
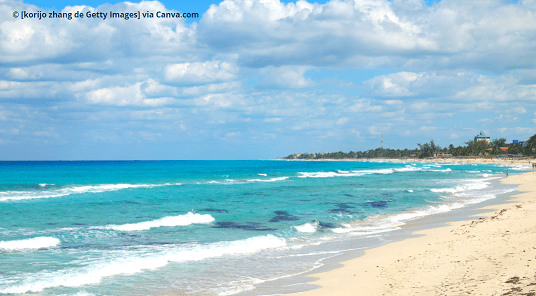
x=495 y=255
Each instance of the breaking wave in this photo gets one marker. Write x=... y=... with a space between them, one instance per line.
x=29 y=244
x=132 y=263
x=181 y=220
x=21 y=195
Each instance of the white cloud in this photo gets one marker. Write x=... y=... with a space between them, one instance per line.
x=427 y=128
x=286 y=77
x=188 y=73
x=342 y=121
x=394 y=85
x=125 y=96
x=379 y=128
x=356 y=133
x=232 y=134
x=364 y=105
x=519 y=110
x=46 y=133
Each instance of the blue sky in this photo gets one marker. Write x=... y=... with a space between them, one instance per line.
x=259 y=79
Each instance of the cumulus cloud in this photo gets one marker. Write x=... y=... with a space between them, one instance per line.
x=373 y=33
x=286 y=77
x=195 y=73
x=124 y=96
x=66 y=41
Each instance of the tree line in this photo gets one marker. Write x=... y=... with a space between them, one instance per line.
x=430 y=149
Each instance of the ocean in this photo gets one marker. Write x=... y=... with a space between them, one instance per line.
x=208 y=227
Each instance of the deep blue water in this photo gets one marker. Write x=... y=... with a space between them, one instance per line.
x=209 y=227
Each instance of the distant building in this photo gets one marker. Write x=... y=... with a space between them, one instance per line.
x=517 y=142
x=482 y=137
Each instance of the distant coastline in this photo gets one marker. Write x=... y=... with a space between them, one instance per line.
x=480 y=160
x=479 y=147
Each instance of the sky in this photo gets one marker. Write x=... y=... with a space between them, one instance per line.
x=260 y=79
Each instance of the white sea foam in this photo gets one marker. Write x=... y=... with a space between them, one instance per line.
x=262 y=175
x=469 y=185
x=307 y=227
x=385 y=224
x=181 y=220
x=446 y=190
x=21 y=195
x=268 y=180
x=410 y=190
x=520 y=168
x=132 y=263
x=445 y=170
x=340 y=173
x=29 y=244
x=408 y=168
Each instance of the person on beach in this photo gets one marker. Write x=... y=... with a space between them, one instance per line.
x=506 y=173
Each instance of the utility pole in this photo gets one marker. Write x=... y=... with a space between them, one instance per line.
x=381 y=151
x=382 y=141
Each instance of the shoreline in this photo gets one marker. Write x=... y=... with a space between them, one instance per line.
x=478 y=160
x=490 y=255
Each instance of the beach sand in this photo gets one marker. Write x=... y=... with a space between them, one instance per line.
x=495 y=255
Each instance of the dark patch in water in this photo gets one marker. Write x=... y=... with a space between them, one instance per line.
x=340 y=211
x=215 y=210
x=377 y=204
x=178 y=230
x=327 y=224
x=131 y=202
x=211 y=200
x=50 y=223
x=256 y=193
x=349 y=195
x=283 y=216
x=79 y=224
x=345 y=206
x=251 y=226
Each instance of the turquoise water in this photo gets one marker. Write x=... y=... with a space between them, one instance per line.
x=208 y=227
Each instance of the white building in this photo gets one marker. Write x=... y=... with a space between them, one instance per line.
x=482 y=137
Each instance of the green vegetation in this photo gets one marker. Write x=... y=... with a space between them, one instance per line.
x=471 y=148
